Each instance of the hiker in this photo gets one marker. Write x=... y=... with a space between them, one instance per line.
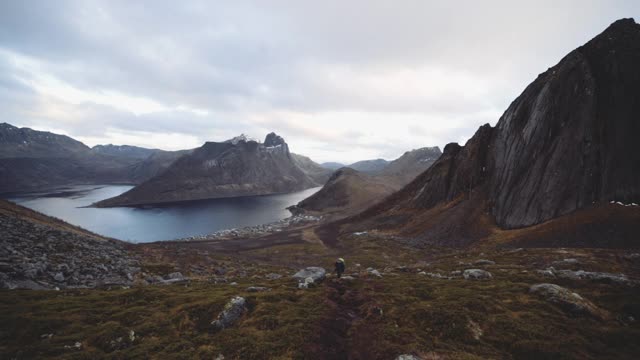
x=340 y=267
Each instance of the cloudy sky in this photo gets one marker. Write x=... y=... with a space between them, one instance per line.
x=340 y=80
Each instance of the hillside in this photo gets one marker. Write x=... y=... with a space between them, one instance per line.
x=349 y=191
x=567 y=143
x=40 y=252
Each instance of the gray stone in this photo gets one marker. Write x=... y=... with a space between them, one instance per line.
x=476 y=274
x=408 y=357
x=272 y=276
x=59 y=277
x=257 y=289
x=315 y=273
x=231 y=313
x=567 y=299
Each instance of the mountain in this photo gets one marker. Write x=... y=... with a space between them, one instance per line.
x=31 y=159
x=240 y=167
x=345 y=193
x=349 y=191
x=566 y=147
x=315 y=171
x=370 y=166
x=332 y=165
x=126 y=151
x=27 y=143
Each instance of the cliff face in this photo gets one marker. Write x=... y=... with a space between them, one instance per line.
x=239 y=167
x=569 y=141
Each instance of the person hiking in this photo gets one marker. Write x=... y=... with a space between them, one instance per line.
x=340 y=265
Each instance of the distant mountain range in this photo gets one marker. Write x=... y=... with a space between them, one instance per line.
x=349 y=191
x=31 y=159
x=563 y=160
x=238 y=167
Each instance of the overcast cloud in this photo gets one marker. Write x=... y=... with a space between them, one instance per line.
x=340 y=80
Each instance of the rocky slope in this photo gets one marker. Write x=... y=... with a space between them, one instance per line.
x=31 y=159
x=345 y=193
x=369 y=166
x=349 y=191
x=238 y=167
x=317 y=173
x=39 y=252
x=569 y=141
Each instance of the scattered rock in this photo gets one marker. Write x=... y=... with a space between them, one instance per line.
x=547 y=272
x=476 y=274
x=257 y=289
x=595 y=276
x=231 y=313
x=408 y=357
x=175 y=276
x=234 y=284
x=59 y=277
x=476 y=330
x=483 y=262
x=272 y=276
x=348 y=278
x=567 y=300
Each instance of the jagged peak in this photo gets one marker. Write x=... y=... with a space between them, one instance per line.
x=240 y=138
x=272 y=140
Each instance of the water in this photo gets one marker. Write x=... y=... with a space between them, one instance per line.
x=164 y=222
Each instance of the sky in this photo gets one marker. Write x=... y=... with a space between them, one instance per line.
x=339 y=80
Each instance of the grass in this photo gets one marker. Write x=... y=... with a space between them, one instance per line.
x=367 y=318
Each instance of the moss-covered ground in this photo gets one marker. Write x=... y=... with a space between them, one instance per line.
x=366 y=317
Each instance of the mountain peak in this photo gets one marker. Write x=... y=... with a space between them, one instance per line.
x=273 y=139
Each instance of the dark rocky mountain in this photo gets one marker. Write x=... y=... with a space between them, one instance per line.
x=567 y=143
x=332 y=165
x=369 y=166
x=126 y=151
x=27 y=143
x=234 y=168
x=349 y=191
x=31 y=159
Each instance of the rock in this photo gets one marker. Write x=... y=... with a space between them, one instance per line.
x=59 y=277
x=257 y=289
x=483 y=262
x=374 y=272
x=272 y=276
x=348 y=278
x=234 y=284
x=567 y=300
x=475 y=329
x=476 y=274
x=547 y=272
x=308 y=282
x=315 y=273
x=565 y=262
x=408 y=357
x=595 y=276
x=231 y=313
x=175 y=276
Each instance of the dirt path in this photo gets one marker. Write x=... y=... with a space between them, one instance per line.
x=344 y=333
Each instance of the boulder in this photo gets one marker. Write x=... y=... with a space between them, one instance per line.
x=314 y=272
x=231 y=313
x=476 y=274
x=567 y=300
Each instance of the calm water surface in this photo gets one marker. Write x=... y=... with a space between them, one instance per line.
x=158 y=222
